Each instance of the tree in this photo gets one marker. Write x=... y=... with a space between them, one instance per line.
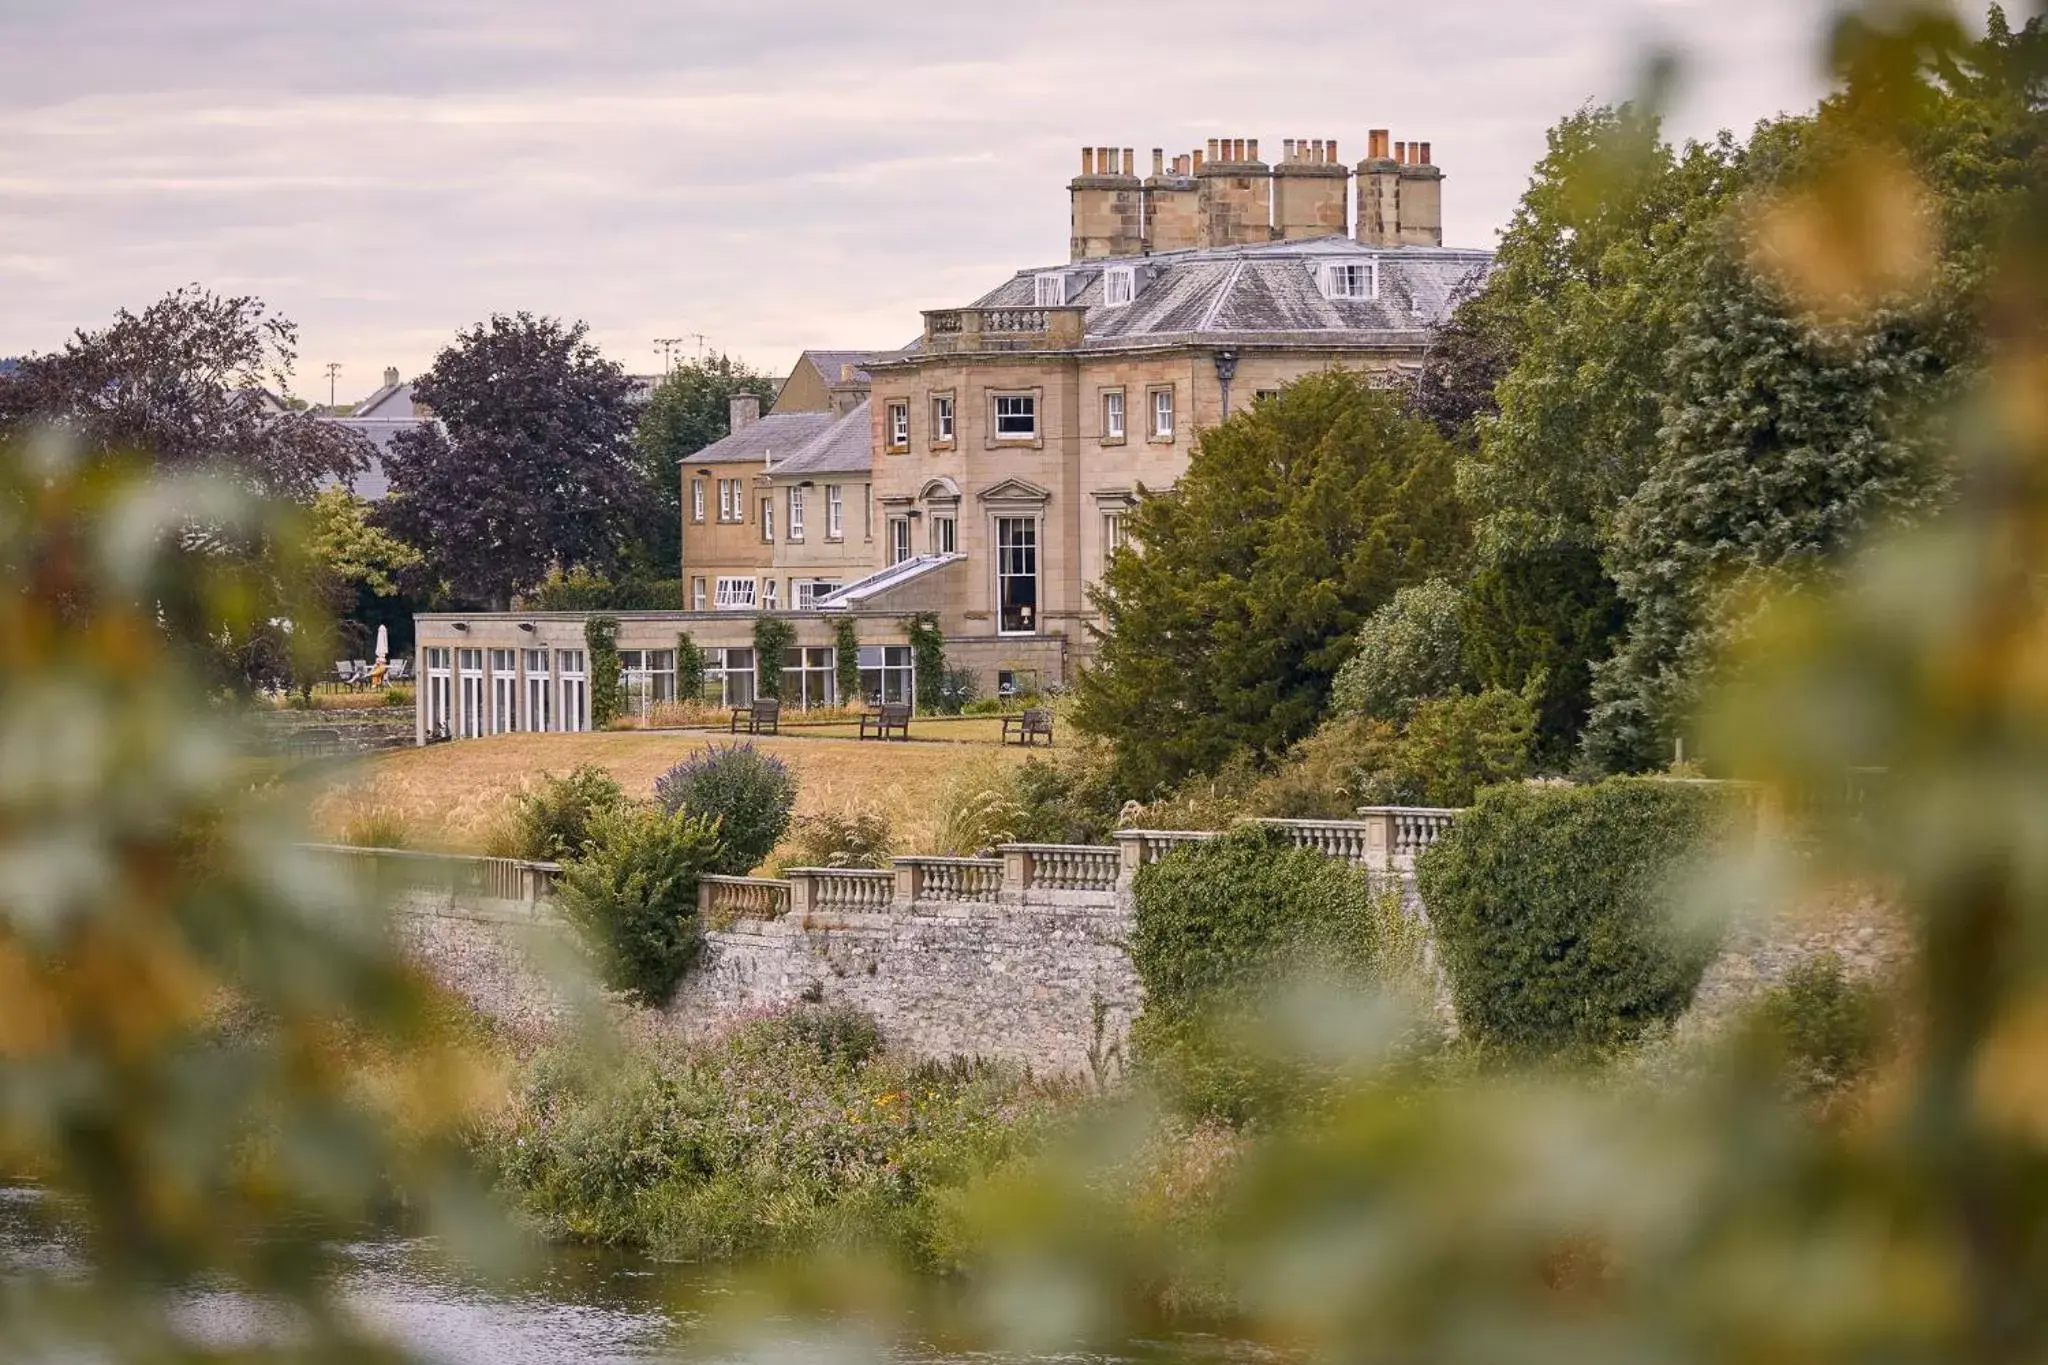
x=1409 y=650
x=689 y=410
x=528 y=465
x=1544 y=616
x=1295 y=521
x=186 y=383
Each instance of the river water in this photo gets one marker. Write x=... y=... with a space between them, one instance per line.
x=578 y=1305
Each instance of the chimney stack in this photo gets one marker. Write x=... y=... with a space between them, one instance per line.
x=1235 y=196
x=1419 y=217
x=745 y=410
x=390 y=376
x=1310 y=194
x=1108 y=205
x=1171 y=208
x=1377 y=221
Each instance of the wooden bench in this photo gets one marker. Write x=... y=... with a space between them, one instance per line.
x=764 y=717
x=1028 y=727
x=892 y=715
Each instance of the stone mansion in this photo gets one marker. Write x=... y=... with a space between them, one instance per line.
x=983 y=472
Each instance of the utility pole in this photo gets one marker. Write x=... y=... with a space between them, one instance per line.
x=700 y=344
x=667 y=347
x=333 y=369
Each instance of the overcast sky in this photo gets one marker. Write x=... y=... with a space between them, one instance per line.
x=806 y=174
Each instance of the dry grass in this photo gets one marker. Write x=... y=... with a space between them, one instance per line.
x=456 y=796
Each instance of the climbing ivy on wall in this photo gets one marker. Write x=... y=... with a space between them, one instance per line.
x=689 y=669
x=607 y=692
x=928 y=652
x=771 y=638
x=846 y=646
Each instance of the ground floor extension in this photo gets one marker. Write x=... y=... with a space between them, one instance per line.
x=486 y=673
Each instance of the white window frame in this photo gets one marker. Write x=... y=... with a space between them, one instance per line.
x=1003 y=571
x=440 y=692
x=835 y=512
x=942 y=419
x=698 y=599
x=737 y=594
x=771 y=594
x=1119 y=286
x=1114 y=533
x=768 y=520
x=1353 y=280
x=945 y=542
x=796 y=513
x=732 y=506
x=537 y=716
x=899 y=539
x=805 y=592
x=504 y=668
x=573 y=678
x=1049 y=290
x=1029 y=412
x=899 y=424
x=470 y=693
x=697 y=501
x=1162 y=414
x=1113 y=424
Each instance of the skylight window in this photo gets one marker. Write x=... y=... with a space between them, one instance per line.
x=1052 y=291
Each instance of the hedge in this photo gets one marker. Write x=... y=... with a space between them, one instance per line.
x=1548 y=907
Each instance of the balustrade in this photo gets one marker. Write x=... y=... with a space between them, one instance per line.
x=977 y=881
x=722 y=900
x=1060 y=867
x=841 y=889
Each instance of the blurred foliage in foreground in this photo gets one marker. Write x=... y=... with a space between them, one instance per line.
x=209 y=1061
x=1703 y=1214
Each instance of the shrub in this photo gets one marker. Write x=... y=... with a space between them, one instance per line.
x=1219 y=927
x=689 y=670
x=837 y=839
x=631 y=895
x=607 y=688
x=1320 y=778
x=928 y=658
x=788 y=1135
x=1409 y=650
x=399 y=695
x=370 y=823
x=959 y=688
x=1450 y=748
x=846 y=659
x=1068 y=800
x=1547 y=908
x=551 y=820
x=772 y=637
x=1826 y=1029
x=749 y=793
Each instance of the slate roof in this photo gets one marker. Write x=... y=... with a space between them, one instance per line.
x=1261 y=295
x=801 y=442
x=829 y=363
x=388 y=402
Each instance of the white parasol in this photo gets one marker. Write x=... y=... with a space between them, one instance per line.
x=383 y=643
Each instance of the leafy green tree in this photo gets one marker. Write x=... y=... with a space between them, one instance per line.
x=1295 y=521
x=1543 y=617
x=1450 y=748
x=528 y=465
x=631 y=894
x=1408 y=650
x=688 y=410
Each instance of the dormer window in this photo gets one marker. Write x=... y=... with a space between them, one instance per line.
x=1351 y=280
x=1119 y=285
x=1051 y=291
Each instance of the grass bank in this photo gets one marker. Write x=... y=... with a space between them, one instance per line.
x=456 y=796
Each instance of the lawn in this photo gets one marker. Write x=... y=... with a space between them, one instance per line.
x=454 y=795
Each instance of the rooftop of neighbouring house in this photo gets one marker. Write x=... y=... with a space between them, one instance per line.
x=1278 y=294
x=796 y=443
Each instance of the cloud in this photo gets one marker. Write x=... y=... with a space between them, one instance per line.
x=389 y=171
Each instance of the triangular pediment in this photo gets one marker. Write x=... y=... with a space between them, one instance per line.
x=1015 y=490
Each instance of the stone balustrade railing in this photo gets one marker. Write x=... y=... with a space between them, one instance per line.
x=1139 y=847
x=1060 y=867
x=974 y=881
x=722 y=900
x=860 y=891
x=393 y=869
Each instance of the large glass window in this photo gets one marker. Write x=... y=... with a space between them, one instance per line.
x=887 y=674
x=1113 y=415
x=729 y=677
x=575 y=689
x=1016 y=575
x=469 y=670
x=807 y=677
x=540 y=699
x=736 y=594
x=504 y=691
x=1016 y=416
x=649 y=676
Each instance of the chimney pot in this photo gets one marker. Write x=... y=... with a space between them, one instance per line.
x=1287 y=149
x=1130 y=161
x=1377 y=150
x=1237 y=149
x=745 y=410
x=1253 y=155
x=1401 y=153
x=1426 y=159
x=1087 y=161
x=1333 y=149
x=1159 y=161
x=1212 y=149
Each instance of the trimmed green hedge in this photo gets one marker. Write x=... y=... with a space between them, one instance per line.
x=1548 y=908
x=1220 y=925
x=607 y=688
